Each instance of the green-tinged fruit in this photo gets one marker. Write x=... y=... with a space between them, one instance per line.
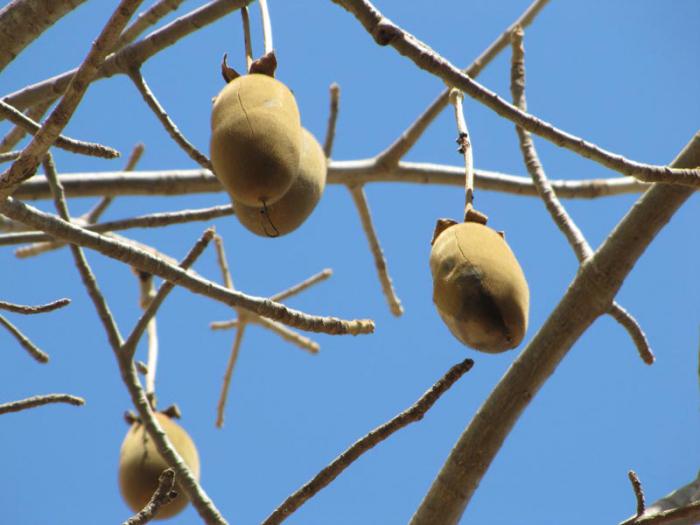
x=140 y=464
x=256 y=139
x=479 y=288
x=293 y=208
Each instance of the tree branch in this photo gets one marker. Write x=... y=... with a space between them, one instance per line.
x=373 y=438
x=353 y=172
x=36 y=401
x=164 y=494
x=22 y=21
x=24 y=341
x=38 y=309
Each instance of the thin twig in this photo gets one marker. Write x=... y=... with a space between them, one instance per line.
x=25 y=166
x=166 y=121
x=146 y=295
x=230 y=365
x=129 y=346
x=638 y=492
x=38 y=309
x=300 y=287
x=143 y=21
x=245 y=19
x=387 y=33
x=153 y=220
x=17 y=133
x=556 y=210
x=133 y=55
x=287 y=334
x=396 y=151
x=35 y=401
x=91 y=149
x=24 y=341
x=81 y=263
x=332 y=119
x=353 y=172
x=223 y=262
x=225 y=325
x=266 y=26
x=360 y=200
x=465 y=148
x=164 y=494
x=373 y=438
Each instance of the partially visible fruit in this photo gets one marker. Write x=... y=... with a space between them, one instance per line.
x=140 y=464
x=479 y=289
x=256 y=139
x=294 y=207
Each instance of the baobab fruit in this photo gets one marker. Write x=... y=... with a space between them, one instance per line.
x=294 y=207
x=479 y=289
x=140 y=465
x=256 y=139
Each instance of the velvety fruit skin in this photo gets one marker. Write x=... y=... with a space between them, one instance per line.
x=479 y=288
x=293 y=208
x=256 y=139
x=140 y=464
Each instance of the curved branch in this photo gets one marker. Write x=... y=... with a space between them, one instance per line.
x=36 y=401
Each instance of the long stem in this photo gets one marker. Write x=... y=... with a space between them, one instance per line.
x=266 y=26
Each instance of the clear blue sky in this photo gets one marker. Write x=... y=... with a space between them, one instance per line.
x=621 y=74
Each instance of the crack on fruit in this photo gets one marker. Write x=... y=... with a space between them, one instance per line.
x=265 y=213
x=245 y=113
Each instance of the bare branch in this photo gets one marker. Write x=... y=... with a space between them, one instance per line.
x=75 y=146
x=285 y=333
x=133 y=55
x=38 y=309
x=638 y=492
x=24 y=341
x=17 y=133
x=360 y=200
x=588 y=296
x=81 y=263
x=639 y=338
x=148 y=18
x=387 y=33
x=373 y=438
x=332 y=120
x=129 y=347
x=163 y=495
x=355 y=172
x=224 y=325
x=154 y=220
x=35 y=401
x=230 y=365
x=22 y=21
x=391 y=156
x=266 y=26
x=245 y=19
x=556 y=210
x=25 y=166
x=166 y=121
x=223 y=263
x=300 y=287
